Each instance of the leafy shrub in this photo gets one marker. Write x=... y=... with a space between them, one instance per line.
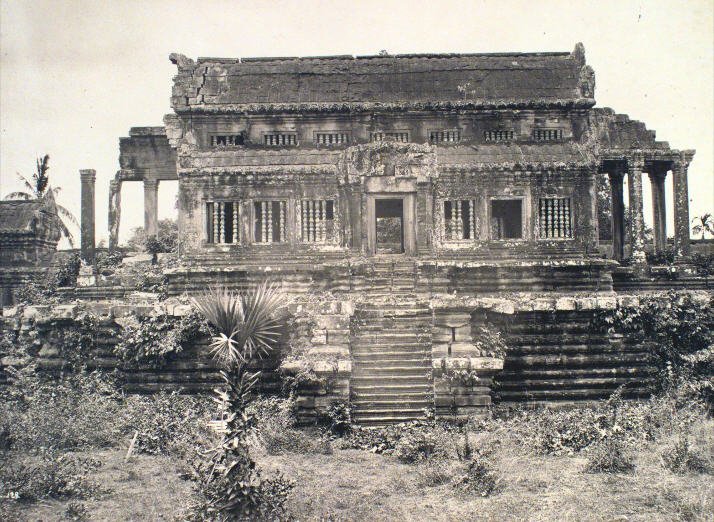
x=107 y=262
x=48 y=476
x=67 y=271
x=479 y=477
x=167 y=423
x=678 y=328
x=415 y=446
x=610 y=455
x=77 y=411
x=76 y=511
x=681 y=458
x=337 y=418
x=277 y=432
x=167 y=237
x=489 y=342
x=154 y=339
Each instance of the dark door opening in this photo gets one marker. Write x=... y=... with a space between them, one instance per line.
x=389 y=224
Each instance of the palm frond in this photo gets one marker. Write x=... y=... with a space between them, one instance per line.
x=65 y=213
x=66 y=232
x=19 y=195
x=28 y=185
x=247 y=323
x=41 y=177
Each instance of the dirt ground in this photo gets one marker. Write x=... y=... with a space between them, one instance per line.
x=359 y=485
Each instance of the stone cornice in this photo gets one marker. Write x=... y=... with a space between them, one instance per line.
x=347 y=107
x=516 y=166
x=268 y=170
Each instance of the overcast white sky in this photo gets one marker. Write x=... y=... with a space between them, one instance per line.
x=76 y=75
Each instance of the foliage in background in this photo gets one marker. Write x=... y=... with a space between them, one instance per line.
x=156 y=338
x=165 y=241
x=703 y=225
x=44 y=289
x=36 y=189
x=678 y=327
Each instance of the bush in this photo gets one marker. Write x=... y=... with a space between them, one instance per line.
x=416 y=446
x=479 y=477
x=276 y=429
x=48 y=476
x=681 y=458
x=610 y=455
x=154 y=339
x=337 y=419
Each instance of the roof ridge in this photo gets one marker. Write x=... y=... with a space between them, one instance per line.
x=247 y=59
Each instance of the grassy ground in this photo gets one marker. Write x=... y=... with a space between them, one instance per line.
x=359 y=485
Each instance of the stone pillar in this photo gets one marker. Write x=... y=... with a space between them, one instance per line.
x=617 y=198
x=151 y=209
x=87 y=178
x=114 y=213
x=659 y=207
x=681 y=206
x=637 y=218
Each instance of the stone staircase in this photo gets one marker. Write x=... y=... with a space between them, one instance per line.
x=391 y=349
x=564 y=359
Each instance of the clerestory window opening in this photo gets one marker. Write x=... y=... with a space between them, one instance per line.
x=222 y=222
x=270 y=219
x=459 y=220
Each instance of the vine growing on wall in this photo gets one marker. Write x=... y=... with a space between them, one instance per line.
x=154 y=339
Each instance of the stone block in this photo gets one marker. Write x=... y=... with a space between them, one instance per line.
x=563 y=304
x=136 y=259
x=344 y=367
x=463 y=349
x=48 y=351
x=36 y=312
x=329 y=350
x=65 y=311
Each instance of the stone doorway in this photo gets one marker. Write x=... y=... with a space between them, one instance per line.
x=389 y=225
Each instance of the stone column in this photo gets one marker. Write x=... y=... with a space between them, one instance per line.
x=681 y=206
x=617 y=198
x=637 y=219
x=87 y=178
x=659 y=208
x=151 y=210
x=114 y=213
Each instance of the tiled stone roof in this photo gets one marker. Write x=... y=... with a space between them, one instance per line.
x=346 y=83
x=17 y=216
x=618 y=131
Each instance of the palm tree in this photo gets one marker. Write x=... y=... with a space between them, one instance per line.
x=704 y=224
x=248 y=326
x=37 y=187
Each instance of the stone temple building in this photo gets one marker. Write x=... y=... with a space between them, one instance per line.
x=406 y=183
x=29 y=233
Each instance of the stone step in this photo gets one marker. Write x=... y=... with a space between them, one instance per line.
x=402 y=362
x=360 y=388
x=389 y=371
x=388 y=381
x=570 y=349
x=530 y=385
x=416 y=395
x=634 y=371
x=574 y=394
x=395 y=405
x=389 y=417
x=575 y=361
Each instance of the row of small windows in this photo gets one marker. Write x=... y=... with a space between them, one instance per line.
x=317 y=220
x=461 y=224
x=316 y=216
x=289 y=139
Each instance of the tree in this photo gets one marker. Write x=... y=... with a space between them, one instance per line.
x=248 y=326
x=704 y=225
x=166 y=240
x=37 y=187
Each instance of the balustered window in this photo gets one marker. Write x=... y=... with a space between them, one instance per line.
x=555 y=218
x=317 y=220
x=498 y=135
x=222 y=222
x=445 y=136
x=227 y=140
x=390 y=136
x=280 y=139
x=506 y=219
x=459 y=220
x=547 y=134
x=270 y=221
x=332 y=138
